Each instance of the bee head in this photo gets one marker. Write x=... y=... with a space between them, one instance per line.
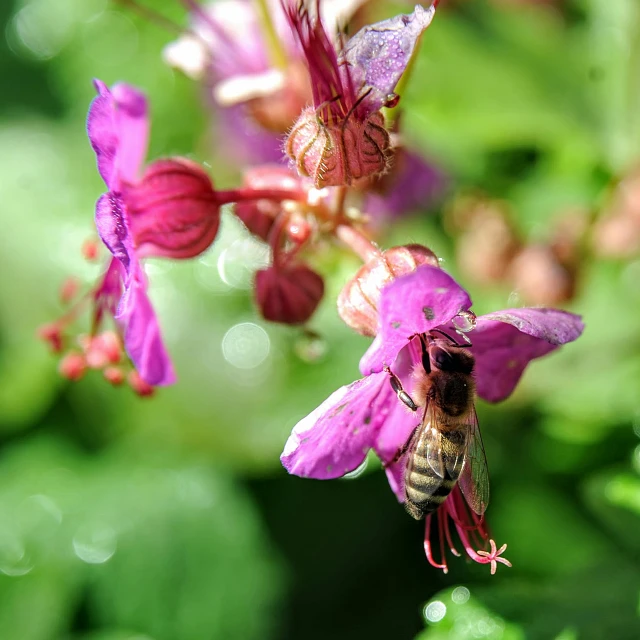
x=445 y=357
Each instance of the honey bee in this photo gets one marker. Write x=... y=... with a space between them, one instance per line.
x=445 y=448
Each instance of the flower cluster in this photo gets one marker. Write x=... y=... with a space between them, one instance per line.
x=278 y=68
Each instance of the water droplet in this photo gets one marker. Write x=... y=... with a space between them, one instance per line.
x=246 y=345
x=14 y=559
x=465 y=321
x=435 y=611
x=310 y=347
x=460 y=595
x=238 y=263
x=636 y=459
x=95 y=544
x=356 y=472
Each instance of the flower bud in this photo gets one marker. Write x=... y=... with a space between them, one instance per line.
x=51 y=333
x=139 y=386
x=90 y=249
x=114 y=376
x=258 y=215
x=358 y=300
x=339 y=154
x=173 y=210
x=288 y=294
x=72 y=366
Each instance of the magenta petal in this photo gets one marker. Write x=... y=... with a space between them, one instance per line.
x=135 y=313
x=505 y=342
x=132 y=125
x=103 y=134
x=142 y=337
x=416 y=303
x=118 y=130
x=335 y=438
x=378 y=55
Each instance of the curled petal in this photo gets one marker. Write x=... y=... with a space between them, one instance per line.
x=118 y=129
x=504 y=342
x=134 y=313
x=378 y=55
x=335 y=438
x=412 y=304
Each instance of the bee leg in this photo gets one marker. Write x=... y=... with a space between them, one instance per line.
x=396 y=385
x=403 y=449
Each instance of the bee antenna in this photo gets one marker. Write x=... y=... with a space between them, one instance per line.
x=451 y=340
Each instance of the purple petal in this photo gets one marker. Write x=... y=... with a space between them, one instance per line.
x=335 y=438
x=415 y=303
x=411 y=185
x=118 y=130
x=378 y=55
x=141 y=331
x=504 y=342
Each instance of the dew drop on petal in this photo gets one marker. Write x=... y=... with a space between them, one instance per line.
x=95 y=544
x=465 y=321
x=246 y=345
x=356 y=472
x=435 y=611
x=460 y=595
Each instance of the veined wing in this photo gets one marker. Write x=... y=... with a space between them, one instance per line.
x=474 y=478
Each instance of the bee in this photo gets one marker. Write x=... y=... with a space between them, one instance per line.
x=445 y=448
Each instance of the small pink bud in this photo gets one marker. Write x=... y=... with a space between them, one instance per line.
x=139 y=386
x=72 y=366
x=341 y=153
x=173 y=210
x=111 y=346
x=259 y=215
x=52 y=334
x=299 y=229
x=114 y=376
x=358 y=300
x=69 y=290
x=90 y=249
x=288 y=294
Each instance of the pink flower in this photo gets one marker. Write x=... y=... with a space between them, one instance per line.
x=367 y=414
x=342 y=138
x=171 y=211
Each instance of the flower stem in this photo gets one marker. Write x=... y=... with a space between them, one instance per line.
x=244 y=195
x=357 y=242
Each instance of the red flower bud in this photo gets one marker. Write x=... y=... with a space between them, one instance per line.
x=139 y=386
x=288 y=294
x=339 y=154
x=114 y=376
x=358 y=300
x=52 y=334
x=72 y=366
x=173 y=210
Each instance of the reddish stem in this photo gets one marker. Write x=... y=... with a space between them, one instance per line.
x=244 y=195
x=357 y=242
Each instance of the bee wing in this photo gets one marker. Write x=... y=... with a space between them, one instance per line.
x=431 y=441
x=474 y=478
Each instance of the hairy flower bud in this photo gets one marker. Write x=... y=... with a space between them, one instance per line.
x=288 y=294
x=173 y=211
x=358 y=300
x=340 y=153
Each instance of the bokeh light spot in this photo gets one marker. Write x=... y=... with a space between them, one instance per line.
x=246 y=345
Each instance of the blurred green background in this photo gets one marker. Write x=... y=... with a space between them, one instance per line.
x=171 y=518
